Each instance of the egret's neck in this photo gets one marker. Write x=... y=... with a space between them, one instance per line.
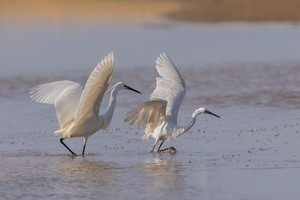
x=107 y=116
x=187 y=127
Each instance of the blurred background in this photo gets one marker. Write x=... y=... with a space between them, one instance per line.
x=145 y=10
x=39 y=36
x=251 y=45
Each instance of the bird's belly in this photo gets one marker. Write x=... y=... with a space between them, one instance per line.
x=82 y=129
x=163 y=132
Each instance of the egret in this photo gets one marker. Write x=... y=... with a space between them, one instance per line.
x=77 y=109
x=159 y=115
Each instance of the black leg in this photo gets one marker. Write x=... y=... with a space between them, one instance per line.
x=160 y=145
x=83 y=150
x=84 y=144
x=61 y=140
x=154 y=146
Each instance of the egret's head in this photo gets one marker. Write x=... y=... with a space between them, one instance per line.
x=203 y=111
x=122 y=86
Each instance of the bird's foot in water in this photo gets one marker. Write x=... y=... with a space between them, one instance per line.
x=72 y=155
x=170 y=150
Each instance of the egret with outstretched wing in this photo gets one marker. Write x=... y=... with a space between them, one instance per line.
x=159 y=115
x=77 y=109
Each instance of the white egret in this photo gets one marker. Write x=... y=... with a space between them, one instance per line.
x=77 y=109
x=159 y=115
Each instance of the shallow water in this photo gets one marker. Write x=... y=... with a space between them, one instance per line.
x=250 y=153
x=243 y=73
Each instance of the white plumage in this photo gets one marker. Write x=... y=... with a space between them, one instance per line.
x=65 y=96
x=159 y=115
x=78 y=109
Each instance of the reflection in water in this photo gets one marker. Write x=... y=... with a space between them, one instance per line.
x=82 y=178
x=169 y=178
x=165 y=175
x=55 y=177
x=89 y=169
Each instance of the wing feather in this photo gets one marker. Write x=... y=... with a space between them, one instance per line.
x=66 y=105
x=48 y=92
x=64 y=95
x=169 y=87
x=95 y=88
x=148 y=112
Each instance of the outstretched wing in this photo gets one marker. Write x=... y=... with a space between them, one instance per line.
x=148 y=112
x=95 y=88
x=64 y=95
x=169 y=87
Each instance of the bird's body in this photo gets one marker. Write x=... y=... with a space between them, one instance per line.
x=77 y=109
x=159 y=115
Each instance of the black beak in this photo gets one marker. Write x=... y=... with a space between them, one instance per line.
x=208 y=112
x=130 y=88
